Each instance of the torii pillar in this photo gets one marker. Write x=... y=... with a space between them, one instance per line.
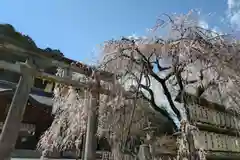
x=14 y=117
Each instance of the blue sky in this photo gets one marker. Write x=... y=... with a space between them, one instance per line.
x=76 y=27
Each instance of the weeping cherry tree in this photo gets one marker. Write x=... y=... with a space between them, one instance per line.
x=159 y=73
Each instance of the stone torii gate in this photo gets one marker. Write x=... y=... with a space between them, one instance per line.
x=36 y=61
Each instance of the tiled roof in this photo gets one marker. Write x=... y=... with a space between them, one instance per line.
x=42 y=99
x=36 y=95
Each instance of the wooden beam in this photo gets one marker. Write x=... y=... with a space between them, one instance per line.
x=62 y=62
x=63 y=80
x=67 y=81
x=192 y=99
x=12 y=123
x=216 y=129
x=25 y=127
x=211 y=155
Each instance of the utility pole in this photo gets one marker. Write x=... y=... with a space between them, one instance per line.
x=15 y=114
x=91 y=139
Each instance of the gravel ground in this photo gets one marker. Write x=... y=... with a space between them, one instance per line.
x=36 y=159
